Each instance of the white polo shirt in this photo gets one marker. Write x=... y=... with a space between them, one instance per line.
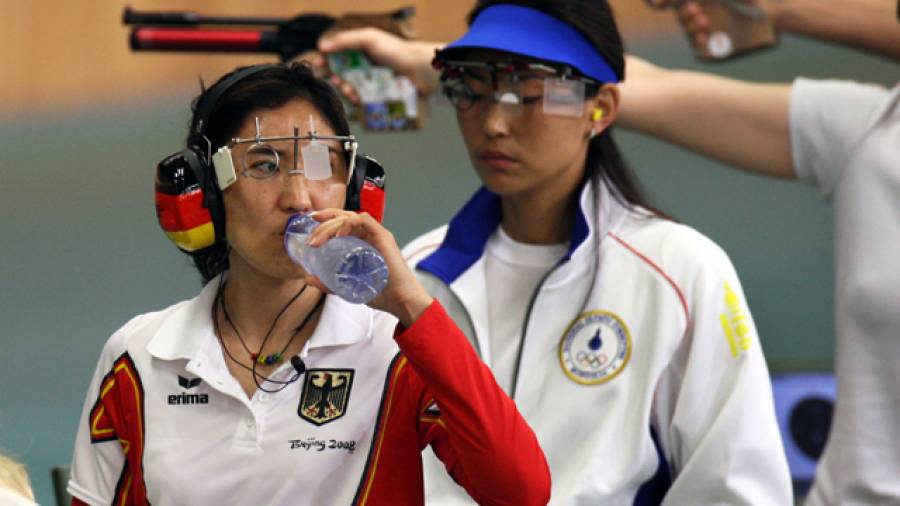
x=164 y=421
x=205 y=440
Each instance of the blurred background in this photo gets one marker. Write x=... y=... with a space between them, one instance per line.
x=83 y=122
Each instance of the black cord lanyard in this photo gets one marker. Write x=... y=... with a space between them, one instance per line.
x=252 y=369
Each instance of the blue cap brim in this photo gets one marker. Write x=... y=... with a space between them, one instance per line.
x=534 y=34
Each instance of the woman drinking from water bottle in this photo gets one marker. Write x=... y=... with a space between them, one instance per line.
x=266 y=389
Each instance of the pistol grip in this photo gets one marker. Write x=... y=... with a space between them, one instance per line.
x=736 y=27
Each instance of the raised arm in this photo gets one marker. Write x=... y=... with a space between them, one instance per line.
x=472 y=425
x=740 y=123
x=867 y=24
x=405 y=57
x=871 y=25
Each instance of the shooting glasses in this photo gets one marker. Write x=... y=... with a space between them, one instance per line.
x=514 y=85
x=310 y=156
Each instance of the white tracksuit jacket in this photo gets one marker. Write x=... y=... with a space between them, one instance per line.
x=640 y=369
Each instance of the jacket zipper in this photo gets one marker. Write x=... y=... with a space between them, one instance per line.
x=534 y=296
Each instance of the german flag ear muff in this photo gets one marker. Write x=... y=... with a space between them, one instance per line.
x=181 y=204
x=188 y=200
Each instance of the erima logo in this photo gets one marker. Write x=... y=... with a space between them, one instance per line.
x=186 y=398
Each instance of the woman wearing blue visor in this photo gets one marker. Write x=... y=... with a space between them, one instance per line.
x=623 y=337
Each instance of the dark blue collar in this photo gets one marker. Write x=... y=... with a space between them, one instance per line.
x=470 y=230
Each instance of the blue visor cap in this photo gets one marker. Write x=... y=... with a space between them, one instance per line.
x=533 y=34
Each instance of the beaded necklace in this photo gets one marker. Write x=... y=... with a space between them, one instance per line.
x=255 y=358
x=220 y=301
x=276 y=357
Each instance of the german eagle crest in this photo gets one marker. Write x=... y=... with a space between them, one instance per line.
x=325 y=395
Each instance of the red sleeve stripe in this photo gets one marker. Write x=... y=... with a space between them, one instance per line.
x=101 y=426
x=365 y=485
x=657 y=268
x=119 y=414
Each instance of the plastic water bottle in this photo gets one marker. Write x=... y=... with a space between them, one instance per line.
x=350 y=267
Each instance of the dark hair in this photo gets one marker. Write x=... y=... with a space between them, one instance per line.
x=594 y=19
x=270 y=88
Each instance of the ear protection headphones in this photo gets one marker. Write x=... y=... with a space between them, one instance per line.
x=188 y=198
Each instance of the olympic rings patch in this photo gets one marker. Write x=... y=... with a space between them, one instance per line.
x=595 y=348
